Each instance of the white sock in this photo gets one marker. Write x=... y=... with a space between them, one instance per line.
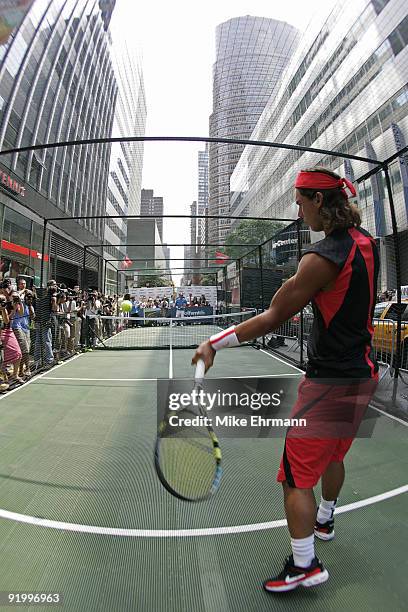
x=303 y=551
x=326 y=510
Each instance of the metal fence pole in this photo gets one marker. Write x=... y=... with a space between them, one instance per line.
x=261 y=276
x=103 y=264
x=84 y=270
x=240 y=284
x=43 y=253
x=299 y=256
x=397 y=269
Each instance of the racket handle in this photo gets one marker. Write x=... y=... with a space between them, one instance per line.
x=200 y=370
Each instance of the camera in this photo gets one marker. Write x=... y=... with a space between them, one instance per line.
x=3 y=302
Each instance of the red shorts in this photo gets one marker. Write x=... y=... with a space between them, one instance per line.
x=333 y=413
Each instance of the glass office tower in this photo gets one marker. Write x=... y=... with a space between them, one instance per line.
x=251 y=55
x=346 y=89
x=56 y=84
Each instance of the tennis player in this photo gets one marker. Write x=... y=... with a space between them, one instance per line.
x=339 y=276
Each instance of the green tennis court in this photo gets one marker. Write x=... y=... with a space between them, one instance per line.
x=83 y=513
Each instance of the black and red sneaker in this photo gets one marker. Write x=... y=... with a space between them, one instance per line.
x=324 y=531
x=292 y=576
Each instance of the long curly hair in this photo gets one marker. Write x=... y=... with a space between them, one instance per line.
x=336 y=211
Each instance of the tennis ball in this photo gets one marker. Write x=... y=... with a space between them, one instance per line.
x=126 y=306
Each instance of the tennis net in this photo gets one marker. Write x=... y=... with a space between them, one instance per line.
x=149 y=333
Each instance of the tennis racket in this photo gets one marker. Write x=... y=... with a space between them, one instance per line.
x=188 y=458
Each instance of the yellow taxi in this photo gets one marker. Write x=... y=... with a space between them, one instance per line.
x=385 y=331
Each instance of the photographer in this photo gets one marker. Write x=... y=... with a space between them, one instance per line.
x=63 y=327
x=6 y=288
x=11 y=348
x=20 y=324
x=107 y=311
x=82 y=324
x=44 y=323
x=91 y=313
x=22 y=288
x=72 y=308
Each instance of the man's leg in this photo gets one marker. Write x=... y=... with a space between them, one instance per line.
x=332 y=481
x=300 y=509
x=49 y=355
x=302 y=568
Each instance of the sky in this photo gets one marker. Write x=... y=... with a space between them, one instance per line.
x=177 y=43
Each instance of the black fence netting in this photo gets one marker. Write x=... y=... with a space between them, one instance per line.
x=88 y=269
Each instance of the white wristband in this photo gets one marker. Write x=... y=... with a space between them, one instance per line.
x=225 y=339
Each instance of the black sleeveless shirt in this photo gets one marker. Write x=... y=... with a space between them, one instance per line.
x=340 y=341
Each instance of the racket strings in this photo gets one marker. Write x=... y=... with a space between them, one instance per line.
x=188 y=465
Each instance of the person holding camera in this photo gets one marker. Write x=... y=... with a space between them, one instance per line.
x=11 y=349
x=22 y=288
x=81 y=314
x=44 y=323
x=6 y=288
x=72 y=309
x=20 y=324
x=91 y=313
x=107 y=311
x=63 y=327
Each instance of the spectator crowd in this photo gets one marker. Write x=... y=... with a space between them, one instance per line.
x=42 y=327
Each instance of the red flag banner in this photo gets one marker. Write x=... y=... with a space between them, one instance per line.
x=126 y=263
x=221 y=258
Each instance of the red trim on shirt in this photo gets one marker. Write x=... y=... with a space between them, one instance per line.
x=329 y=302
x=366 y=249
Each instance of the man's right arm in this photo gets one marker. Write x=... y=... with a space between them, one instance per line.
x=314 y=273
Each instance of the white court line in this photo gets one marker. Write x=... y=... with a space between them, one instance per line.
x=154 y=379
x=281 y=360
x=273 y=357
x=184 y=533
x=101 y=379
x=390 y=416
x=38 y=376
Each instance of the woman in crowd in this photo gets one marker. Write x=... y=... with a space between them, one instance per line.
x=21 y=316
x=11 y=349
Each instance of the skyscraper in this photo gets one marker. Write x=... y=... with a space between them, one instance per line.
x=57 y=84
x=126 y=161
x=251 y=54
x=153 y=206
x=345 y=90
x=202 y=200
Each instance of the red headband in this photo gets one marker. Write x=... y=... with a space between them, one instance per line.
x=321 y=180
